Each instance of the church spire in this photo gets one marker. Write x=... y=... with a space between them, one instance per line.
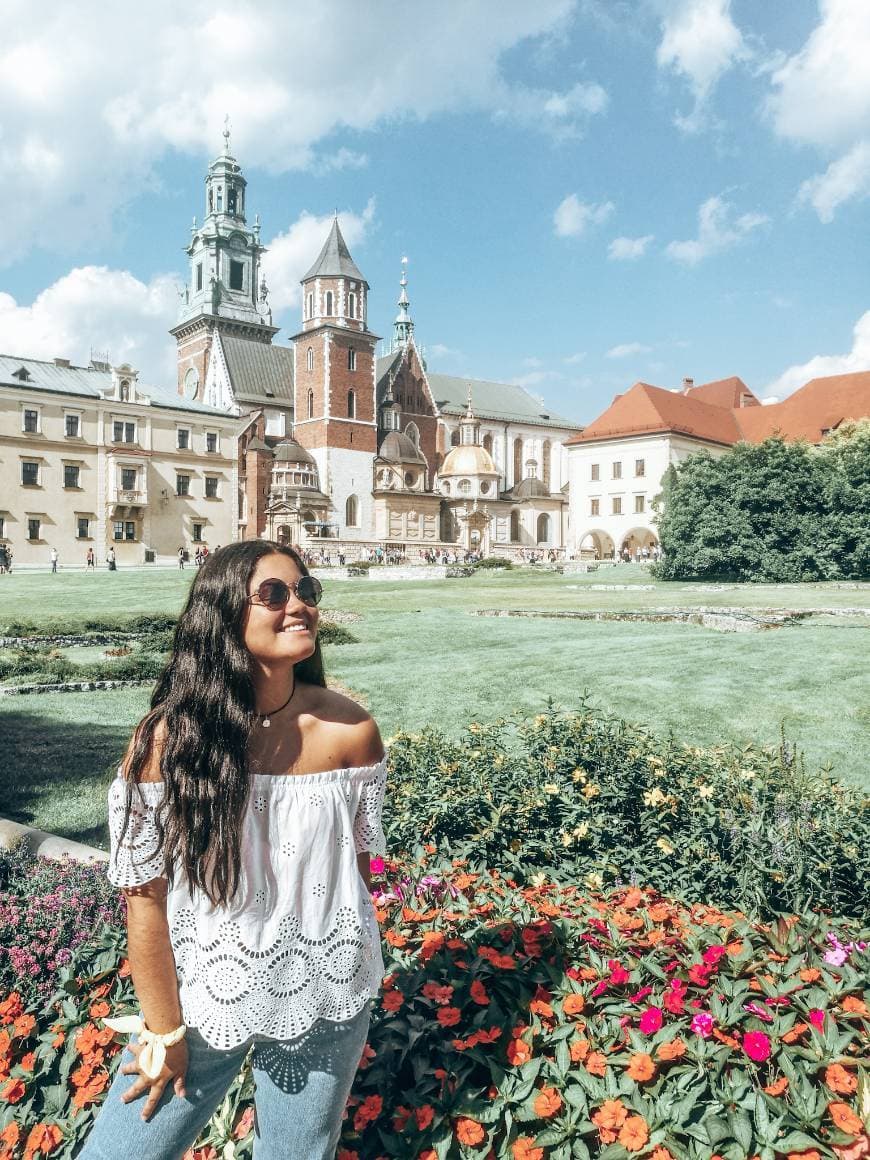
x=469 y=425
x=403 y=327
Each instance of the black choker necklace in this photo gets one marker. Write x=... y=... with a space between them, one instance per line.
x=265 y=718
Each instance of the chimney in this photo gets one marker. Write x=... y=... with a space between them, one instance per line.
x=61 y=362
x=687 y=385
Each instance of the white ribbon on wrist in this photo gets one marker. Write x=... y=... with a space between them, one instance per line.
x=153 y=1053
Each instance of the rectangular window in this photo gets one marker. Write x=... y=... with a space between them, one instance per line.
x=83 y=525
x=33 y=529
x=237 y=275
x=199 y=275
x=211 y=441
x=30 y=474
x=123 y=432
x=351 y=359
x=118 y=530
x=183 y=438
x=72 y=426
x=617 y=505
x=182 y=484
x=639 y=467
x=595 y=507
x=71 y=475
x=128 y=478
x=31 y=421
x=639 y=504
x=197 y=533
x=2 y=528
x=595 y=471
x=617 y=470
x=129 y=530
x=211 y=487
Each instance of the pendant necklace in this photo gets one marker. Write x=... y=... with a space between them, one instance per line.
x=265 y=718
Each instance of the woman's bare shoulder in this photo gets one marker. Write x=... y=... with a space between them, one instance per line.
x=151 y=771
x=349 y=729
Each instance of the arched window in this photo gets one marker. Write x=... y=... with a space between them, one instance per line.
x=329 y=304
x=454 y=438
x=210 y=200
x=545 y=466
x=487 y=442
x=309 y=358
x=515 y=527
x=309 y=300
x=543 y=528
x=518 y=460
x=351 y=359
x=351 y=305
x=413 y=434
x=310 y=403
x=351 y=404
x=220 y=199
x=351 y=512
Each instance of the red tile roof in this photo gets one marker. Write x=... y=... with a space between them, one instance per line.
x=726 y=411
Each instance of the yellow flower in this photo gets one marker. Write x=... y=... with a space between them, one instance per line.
x=539 y=879
x=665 y=846
x=551 y=787
x=474 y=727
x=747 y=774
x=540 y=719
x=498 y=761
x=566 y=839
x=590 y=791
x=706 y=791
x=594 y=881
x=581 y=831
x=579 y=775
x=653 y=797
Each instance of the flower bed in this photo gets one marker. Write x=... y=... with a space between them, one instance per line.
x=533 y=1023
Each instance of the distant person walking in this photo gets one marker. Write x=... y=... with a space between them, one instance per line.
x=53 y=557
x=110 y=560
x=90 y=559
x=4 y=558
x=181 y=558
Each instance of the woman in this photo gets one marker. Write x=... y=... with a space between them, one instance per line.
x=242 y=822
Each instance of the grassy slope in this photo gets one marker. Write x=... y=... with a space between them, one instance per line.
x=422 y=658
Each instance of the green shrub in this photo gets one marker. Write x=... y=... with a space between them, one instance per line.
x=494 y=562
x=329 y=632
x=583 y=796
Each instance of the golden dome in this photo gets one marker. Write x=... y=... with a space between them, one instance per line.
x=468 y=459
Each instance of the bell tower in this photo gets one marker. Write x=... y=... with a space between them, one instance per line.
x=226 y=292
x=334 y=383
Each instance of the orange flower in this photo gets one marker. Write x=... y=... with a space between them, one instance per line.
x=448 y=1016
x=395 y=939
x=660 y=1154
x=777 y=1087
x=99 y=1010
x=11 y=1007
x=428 y=1154
x=634 y=1133
x=440 y=993
x=424 y=1116
x=840 y=1080
x=845 y=1118
x=469 y=1132
x=246 y=1122
x=23 y=1025
x=518 y=1052
x=43 y=1138
x=11 y=1134
x=579 y=1050
x=524 y=1149
x=367 y=1112
x=88 y=1092
x=632 y=898
x=673 y=1049
x=810 y=1154
x=596 y=1064
x=809 y=975
x=611 y=1114
x=855 y=1151
x=547 y=1102
x=478 y=993
x=641 y=1068
x=795 y=1033
x=392 y=1000
x=13 y=1091
x=27 y=1061
x=433 y=940
x=573 y=1004
x=852 y=1005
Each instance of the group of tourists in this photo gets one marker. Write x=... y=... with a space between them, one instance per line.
x=5 y=558
x=640 y=554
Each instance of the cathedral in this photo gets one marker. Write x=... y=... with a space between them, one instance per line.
x=338 y=447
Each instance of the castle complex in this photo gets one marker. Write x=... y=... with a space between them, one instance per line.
x=323 y=444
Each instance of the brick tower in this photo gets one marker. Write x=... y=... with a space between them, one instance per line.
x=226 y=293
x=334 y=394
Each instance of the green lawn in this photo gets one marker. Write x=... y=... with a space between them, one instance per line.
x=424 y=658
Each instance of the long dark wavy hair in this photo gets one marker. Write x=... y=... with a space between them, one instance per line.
x=204 y=701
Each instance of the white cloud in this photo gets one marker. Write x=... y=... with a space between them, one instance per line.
x=628 y=249
x=441 y=350
x=857 y=359
x=718 y=229
x=535 y=378
x=572 y=216
x=573 y=360
x=845 y=179
x=93 y=306
x=291 y=253
x=626 y=349
x=700 y=42
x=94 y=97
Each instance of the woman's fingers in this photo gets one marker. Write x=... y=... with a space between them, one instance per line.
x=155 y=1092
x=178 y=1085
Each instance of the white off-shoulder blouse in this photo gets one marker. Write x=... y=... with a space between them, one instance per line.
x=300 y=941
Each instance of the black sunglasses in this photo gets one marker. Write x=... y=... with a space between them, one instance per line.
x=274 y=594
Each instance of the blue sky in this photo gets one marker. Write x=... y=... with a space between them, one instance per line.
x=589 y=192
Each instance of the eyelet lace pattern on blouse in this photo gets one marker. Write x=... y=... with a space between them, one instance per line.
x=300 y=941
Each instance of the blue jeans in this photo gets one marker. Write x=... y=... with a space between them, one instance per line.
x=301 y=1088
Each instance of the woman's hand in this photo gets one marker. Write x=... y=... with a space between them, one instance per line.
x=174 y=1069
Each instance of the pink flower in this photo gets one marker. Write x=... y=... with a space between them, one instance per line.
x=756 y=1045
x=377 y=864
x=837 y=956
x=713 y=954
x=759 y=1011
x=618 y=973
x=639 y=996
x=702 y=1025
x=651 y=1020
x=817 y=1018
